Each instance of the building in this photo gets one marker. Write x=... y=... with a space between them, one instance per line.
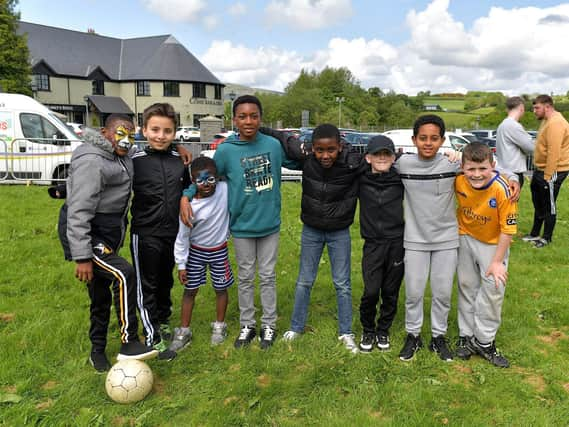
x=87 y=76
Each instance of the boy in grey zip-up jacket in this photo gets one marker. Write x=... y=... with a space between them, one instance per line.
x=92 y=229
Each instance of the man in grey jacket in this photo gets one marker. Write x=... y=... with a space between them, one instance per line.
x=513 y=143
x=92 y=232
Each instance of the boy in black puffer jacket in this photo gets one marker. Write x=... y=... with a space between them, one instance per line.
x=329 y=198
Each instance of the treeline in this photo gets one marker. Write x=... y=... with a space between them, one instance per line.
x=335 y=96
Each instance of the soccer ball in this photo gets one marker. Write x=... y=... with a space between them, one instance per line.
x=129 y=381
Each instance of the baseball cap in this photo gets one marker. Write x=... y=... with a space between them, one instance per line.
x=380 y=142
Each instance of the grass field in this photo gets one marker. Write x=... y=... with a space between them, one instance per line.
x=446 y=103
x=45 y=379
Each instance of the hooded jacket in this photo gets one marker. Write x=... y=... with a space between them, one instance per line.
x=98 y=192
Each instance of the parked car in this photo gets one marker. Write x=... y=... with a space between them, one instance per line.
x=188 y=133
x=218 y=139
x=470 y=136
x=77 y=128
x=403 y=142
x=359 y=138
x=484 y=133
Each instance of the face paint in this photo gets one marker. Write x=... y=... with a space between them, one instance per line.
x=124 y=137
x=205 y=178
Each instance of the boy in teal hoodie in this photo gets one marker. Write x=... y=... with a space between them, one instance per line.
x=251 y=164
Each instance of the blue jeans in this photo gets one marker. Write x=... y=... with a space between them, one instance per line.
x=339 y=250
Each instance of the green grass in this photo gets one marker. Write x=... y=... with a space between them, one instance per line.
x=483 y=111
x=45 y=379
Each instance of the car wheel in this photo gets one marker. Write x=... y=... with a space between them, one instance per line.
x=61 y=173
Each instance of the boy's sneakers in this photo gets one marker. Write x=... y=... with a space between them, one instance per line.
x=165 y=331
x=349 y=342
x=268 y=336
x=367 y=342
x=245 y=336
x=218 y=332
x=99 y=361
x=439 y=345
x=540 y=243
x=412 y=345
x=182 y=338
x=164 y=353
x=136 y=350
x=383 y=341
x=290 y=336
x=530 y=238
x=489 y=353
x=463 y=350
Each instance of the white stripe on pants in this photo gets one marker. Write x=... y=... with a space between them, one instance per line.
x=479 y=302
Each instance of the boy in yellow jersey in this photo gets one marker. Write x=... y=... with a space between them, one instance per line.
x=487 y=220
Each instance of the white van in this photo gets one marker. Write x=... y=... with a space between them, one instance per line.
x=402 y=140
x=35 y=145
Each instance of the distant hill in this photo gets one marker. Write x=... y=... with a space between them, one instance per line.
x=239 y=90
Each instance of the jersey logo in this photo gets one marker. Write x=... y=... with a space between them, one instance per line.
x=512 y=219
x=492 y=202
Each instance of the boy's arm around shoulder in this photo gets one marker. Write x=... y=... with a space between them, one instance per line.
x=294 y=150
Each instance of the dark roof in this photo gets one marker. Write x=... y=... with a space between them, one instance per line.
x=77 y=54
x=110 y=104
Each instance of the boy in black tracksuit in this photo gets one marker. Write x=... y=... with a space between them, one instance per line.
x=381 y=226
x=159 y=179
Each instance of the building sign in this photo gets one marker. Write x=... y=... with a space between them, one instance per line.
x=62 y=107
x=204 y=101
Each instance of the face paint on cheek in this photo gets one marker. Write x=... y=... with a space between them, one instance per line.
x=203 y=175
x=124 y=137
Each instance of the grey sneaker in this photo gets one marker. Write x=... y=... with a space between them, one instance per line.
x=349 y=342
x=218 y=332
x=182 y=338
x=540 y=243
x=530 y=238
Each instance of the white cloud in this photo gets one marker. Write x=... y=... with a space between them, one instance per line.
x=176 y=10
x=237 y=9
x=210 y=22
x=519 y=50
x=308 y=14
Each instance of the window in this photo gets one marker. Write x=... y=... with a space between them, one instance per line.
x=41 y=81
x=35 y=126
x=217 y=92
x=197 y=118
x=199 y=90
x=171 y=89
x=98 y=87
x=143 y=88
x=139 y=119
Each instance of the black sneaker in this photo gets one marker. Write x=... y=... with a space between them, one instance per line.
x=164 y=352
x=367 y=341
x=412 y=345
x=99 y=361
x=439 y=345
x=136 y=350
x=540 y=243
x=383 y=341
x=245 y=336
x=463 y=350
x=489 y=353
x=268 y=336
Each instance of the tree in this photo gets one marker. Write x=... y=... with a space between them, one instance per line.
x=15 y=68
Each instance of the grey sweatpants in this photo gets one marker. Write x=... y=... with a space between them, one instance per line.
x=479 y=302
x=439 y=267
x=252 y=254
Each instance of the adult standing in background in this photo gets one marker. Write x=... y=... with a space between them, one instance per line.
x=513 y=143
x=551 y=160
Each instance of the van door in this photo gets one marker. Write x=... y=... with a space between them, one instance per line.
x=42 y=150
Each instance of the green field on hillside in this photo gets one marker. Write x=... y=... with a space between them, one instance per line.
x=446 y=103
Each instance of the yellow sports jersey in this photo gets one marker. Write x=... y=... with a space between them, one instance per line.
x=485 y=213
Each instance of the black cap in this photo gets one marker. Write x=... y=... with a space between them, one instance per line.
x=380 y=142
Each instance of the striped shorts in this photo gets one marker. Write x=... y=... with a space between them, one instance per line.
x=219 y=268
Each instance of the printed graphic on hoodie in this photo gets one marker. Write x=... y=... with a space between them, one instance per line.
x=257 y=173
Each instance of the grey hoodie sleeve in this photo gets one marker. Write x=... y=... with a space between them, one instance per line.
x=521 y=138
x=84 y=190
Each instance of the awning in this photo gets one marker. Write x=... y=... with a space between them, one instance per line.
x=110 y=104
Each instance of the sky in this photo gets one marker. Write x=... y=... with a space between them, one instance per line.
x=406 y=46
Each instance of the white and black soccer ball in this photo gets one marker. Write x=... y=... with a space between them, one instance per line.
x=129 y=381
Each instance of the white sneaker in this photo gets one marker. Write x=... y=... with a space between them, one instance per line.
x=218 y=332
x=290 y=336
x=349 y=341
